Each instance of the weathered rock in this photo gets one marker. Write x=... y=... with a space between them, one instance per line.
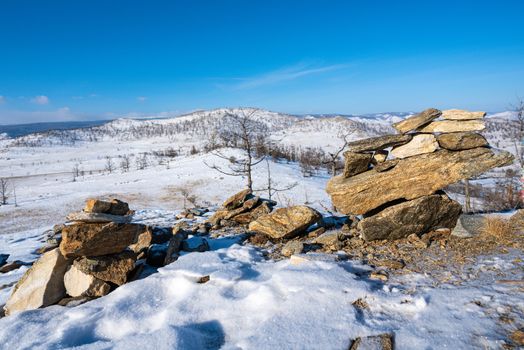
x=246 y=218
x=42 y=285
x=248 y=205
x=218 y=216
x=173 y=248
x=109 y=268
x=420 y=144
x=378 y=143
x=356 y=163
x=112 y=207
x=3 y=259
x=98 y=239
x=161 y=234
x=374 y=342
x=454 y=126
x=98 y=218
x=81 y=284
x=380 y=156
x=195 y=244
x=458 y=141
x=156 y=255
x=460 y=114
x=418 y=216
x=386 y=165
x=328 y=239
x=13 y=265
x=285 y=222
x=143 y=241
x=411 y=178
x=237 y=200
x=292 y=247
x=517 y=221
x=418 y=120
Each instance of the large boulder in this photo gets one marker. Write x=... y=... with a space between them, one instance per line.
x=420 y=144
x=460 y=114
x=110 y=268
x=113 y=207
x=84 y=239
x=81 y=284
x=417 y=216
x=237 y=200
x=42 y=285
x=454 y=126
x=378 y=143
x=285 y=222
x=356 y=163
x=411 y=178
x=458 y=141
x=418 y=120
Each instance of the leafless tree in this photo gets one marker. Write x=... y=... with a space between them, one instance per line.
x=244 y=132
x=110 y=166
x=333 y=157
x=4 y=190
x=188 y=197
x=142 y=161
x=519 y=133
x=125 y=163
x=271 y=188
x=76 y=171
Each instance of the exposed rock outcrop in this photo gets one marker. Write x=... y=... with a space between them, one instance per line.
x=458 y=141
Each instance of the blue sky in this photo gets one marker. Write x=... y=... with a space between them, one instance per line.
x=72 y=60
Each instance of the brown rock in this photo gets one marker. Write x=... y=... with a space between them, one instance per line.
x=246 y=218
x=173 y=248
x=386 y=165
x=98 y=239
x=420 y=144
x=380 y=156
x=356 y=163
x=81 y=284
x=457 y=141
x=118 y=207
x=417 y=216
x=374 y=342
x=144 y=240
x=454 y=126
x=237 y=200
x=292 y=247
x=285 y=222
x=42 y=285
x=460 y=114
x=411 y=178
x=110 y=268
x=248 y=205
x=11 y=266
x=378 y=143
x=113 y=207
x=418 y=120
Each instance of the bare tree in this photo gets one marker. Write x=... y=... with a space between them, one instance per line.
x=141 y=161
x=4 y=190
x=333 y=158
x=76 y=171
x=110 y=166
x=519 y=133
x=244 y=132
x=125 y=163
x=271 y=186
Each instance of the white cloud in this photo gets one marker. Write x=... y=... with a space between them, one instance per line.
x=2 y=100
x=285 y=74
x=59 y=115
x=40 y=100
x=141 y=98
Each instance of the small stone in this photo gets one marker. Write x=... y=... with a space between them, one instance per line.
x=292 y=247
x=11 y=266
x=418 y=120
x=380 y=156
x=328 y=239
x=316 y=232
x=237 y=200
x=203 y=279
x=356 y=163
x=374 y=342
x=386 y=165
x=286 y=222
x=81 y=284
x=460 y=114
x=420 y=144
x=517 y=337
x=195 y=244
x=379 y=275
x=389 y=263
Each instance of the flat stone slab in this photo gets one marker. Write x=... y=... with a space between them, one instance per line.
x=418 y=120
x=411 y=178
x=378 y=143
x=454 y=126
x=420 y=144
x=458 y=141
x=460 y=114
x=98 y=218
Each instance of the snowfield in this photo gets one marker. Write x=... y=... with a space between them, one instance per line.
x=250 y=302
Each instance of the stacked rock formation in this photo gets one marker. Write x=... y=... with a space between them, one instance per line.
x=395 y=181
x=97 y=253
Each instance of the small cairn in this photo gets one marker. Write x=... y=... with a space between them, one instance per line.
x=395 y=181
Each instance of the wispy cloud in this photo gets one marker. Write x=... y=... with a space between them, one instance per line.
x=2 y=100
x=285 y=74
x=40 y=100
x=141 y=99
x=18 y=117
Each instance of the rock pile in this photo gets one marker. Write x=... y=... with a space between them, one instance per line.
x=97 y=253
x=395 y=181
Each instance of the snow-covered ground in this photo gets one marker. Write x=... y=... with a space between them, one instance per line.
x=249 y=302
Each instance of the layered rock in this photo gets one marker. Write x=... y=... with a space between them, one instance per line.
x=80 y=284
x=378 y=143
x=356 y=163
x=285 y=223
x=460 y=114
x=454 y=126
x=112 y=207
x=458 y=141
x=42 y=285
x=411 y=178
x=418 y=120
x=420 y=144
x=418 y=216
x=110 y=268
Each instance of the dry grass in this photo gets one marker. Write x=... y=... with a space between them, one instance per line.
x=496 y=226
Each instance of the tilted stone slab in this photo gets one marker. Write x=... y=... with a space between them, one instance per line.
x=411 y=178
x=417 y=216
x=460 y=114
x=81 y=284
x=418 y=120
x=378 y=143
x=454 y=126
x=420 y=144
x=457 y=141
x=356 y=163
